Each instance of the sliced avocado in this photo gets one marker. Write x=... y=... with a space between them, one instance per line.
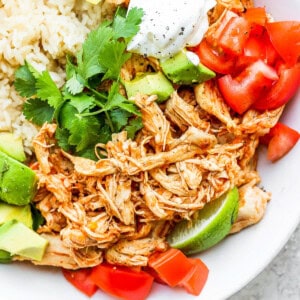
x=18 y=239
x=12 y=146
x=150 y=84
x=17 y=182
x=21 y=213
x=5 y=257
x=185 y=68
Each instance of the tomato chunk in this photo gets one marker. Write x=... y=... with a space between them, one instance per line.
x=256 y=15
x=175 y=269
x=197 y=277
x=163 y=263
x=285 y=37
x=234 y=35
x=241 y=92
x=81 y=280
x=122 y=282
x=281 y=92
x=281 y=139
x=217 y=61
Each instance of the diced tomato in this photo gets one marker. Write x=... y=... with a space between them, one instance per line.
x=281 y=139
x=285 y=37
x=214 y=33
x=81 y=280
x=219 y=62
x=197 y=277
x=163 y=263
x=256 y=15
x=122 y=282
x=234 y=35
x=282 y=91
x=241 y=92
x=175 y=269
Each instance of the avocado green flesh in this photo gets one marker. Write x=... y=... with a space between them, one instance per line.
x=18 y=183
x=181 y=70
x=12 y=146
x=18 y=239
x=150 y=84
x=209 y=227
x=5 y=257
x=21 y=213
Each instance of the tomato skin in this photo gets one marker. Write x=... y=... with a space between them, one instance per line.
x=175 y=269
x=285 y=37
x=219 y=62
x=163 y=263
x=81 y=280
x=122 y=282
x=240 y=93
x=281 y=139
x=197 y=277
x=256 y=15
x=235 y=35
x=281 y=92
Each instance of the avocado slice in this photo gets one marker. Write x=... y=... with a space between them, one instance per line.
x=18 y=239
x=21 y=213
x=12 y=146
x=5 y=257
x=185 y=68
x=150 y=84
x=18 y=182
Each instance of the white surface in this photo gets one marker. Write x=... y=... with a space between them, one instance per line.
x=234 y=262
x=280 y=280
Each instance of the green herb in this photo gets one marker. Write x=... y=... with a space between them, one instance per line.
x=85 y=113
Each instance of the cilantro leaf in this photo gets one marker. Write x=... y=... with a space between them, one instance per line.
x=25 y=81
x=38 y=111
x=119 y=118
x=134 y=125
x=62 y=137
x=88 y=63
x=47 y=89
x=74 y=85
x=129 y=26
x=112 y=57
x=83 y=131
x=81 y=101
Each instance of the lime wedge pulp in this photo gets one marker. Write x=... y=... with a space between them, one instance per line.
x=208 y=226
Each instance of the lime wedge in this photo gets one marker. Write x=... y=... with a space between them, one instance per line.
x=208 y=226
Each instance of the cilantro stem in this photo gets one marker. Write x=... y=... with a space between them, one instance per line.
x=99 y=95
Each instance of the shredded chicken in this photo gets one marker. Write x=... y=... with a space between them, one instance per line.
x=191 y=150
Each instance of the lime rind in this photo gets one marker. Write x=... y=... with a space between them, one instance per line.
x=208 y=227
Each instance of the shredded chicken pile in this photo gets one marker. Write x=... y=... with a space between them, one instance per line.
x=191 y=150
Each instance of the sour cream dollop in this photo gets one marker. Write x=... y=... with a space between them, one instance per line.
x=169 y=25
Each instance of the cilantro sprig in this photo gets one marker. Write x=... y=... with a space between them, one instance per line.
x=85 y=114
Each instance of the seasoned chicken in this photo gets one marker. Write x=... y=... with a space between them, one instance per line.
x=252 y=205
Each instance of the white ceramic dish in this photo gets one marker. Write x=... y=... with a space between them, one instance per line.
x=232 y=263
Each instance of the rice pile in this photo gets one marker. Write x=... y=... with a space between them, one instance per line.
x=42 y=32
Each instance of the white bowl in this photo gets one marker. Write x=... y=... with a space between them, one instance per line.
x=233 y=262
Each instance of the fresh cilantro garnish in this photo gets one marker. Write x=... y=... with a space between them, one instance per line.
x=86 y=113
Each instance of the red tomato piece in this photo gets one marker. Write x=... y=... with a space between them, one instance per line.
x=281 y=140
x=219 y=62
x=197 y=277
x=282 y=91
x=256 y=15
x=235 y=35
x=214 y=33
x=81 y=280
x=122 y=282
x=285 y=37
x=165 y=262
x=241 y=92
